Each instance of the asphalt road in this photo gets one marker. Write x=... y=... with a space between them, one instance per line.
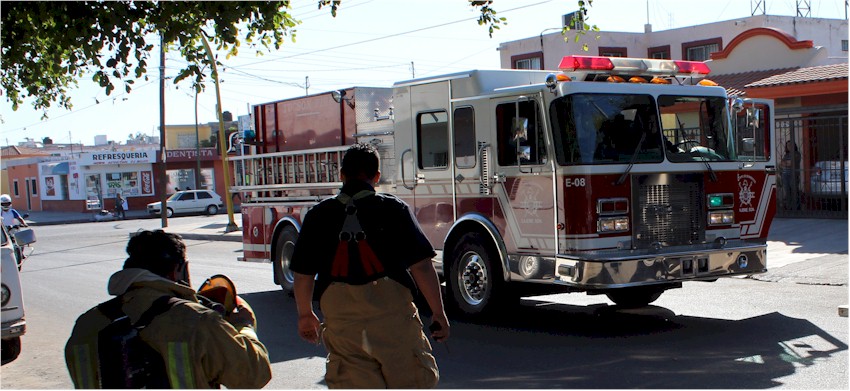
x=733 y=333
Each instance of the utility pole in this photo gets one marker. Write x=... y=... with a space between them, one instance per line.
x=163 y=210
x=231 y=224
x=412 y=71
x=197 y=145
x=306 y=85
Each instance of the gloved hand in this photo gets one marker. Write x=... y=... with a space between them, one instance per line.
x=242 y=316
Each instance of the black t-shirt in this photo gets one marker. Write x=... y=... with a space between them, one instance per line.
x=391 y=231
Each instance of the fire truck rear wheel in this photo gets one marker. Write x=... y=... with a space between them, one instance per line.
x=11 y=349
x=634 y=297
x=474 y=284
x=283 y=255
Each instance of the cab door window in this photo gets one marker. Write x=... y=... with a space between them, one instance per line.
x=464 y=132
x=529 y=147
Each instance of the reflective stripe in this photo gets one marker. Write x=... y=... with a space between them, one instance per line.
x=84 y=367
x=180 y=366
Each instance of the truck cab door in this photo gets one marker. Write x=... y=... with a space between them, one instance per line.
x=524 y=180
x=431 y=160
x=755 y=135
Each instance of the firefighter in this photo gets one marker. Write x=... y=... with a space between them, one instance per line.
x=200 y=348
x=370 y=255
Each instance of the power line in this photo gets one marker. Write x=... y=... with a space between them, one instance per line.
x=390 y=35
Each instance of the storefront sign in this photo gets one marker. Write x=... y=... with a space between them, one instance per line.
x=189 y=155
x=116 y=157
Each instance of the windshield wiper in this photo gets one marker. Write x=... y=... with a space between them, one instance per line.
x=622 y=177
x=708 y=168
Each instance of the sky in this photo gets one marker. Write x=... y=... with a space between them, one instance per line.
x=370 y=43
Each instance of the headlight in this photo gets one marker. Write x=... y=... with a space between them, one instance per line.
x=613 y=224
x=6 y=295
x=722 y=217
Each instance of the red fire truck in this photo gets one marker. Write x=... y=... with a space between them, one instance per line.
x=616 y=176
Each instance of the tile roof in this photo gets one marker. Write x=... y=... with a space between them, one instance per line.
x=19 y=151
x=735 y=82
x=804 y=75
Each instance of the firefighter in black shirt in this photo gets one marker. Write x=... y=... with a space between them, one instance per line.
x=365 y=255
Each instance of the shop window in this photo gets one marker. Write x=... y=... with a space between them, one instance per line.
x=33 y=186
x=433 y=139
x=701 y=50
x=126 y=183
x=15 y=191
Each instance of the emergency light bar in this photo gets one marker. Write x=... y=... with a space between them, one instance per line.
x=626 y=65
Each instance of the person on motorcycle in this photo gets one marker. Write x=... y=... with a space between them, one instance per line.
x=11 y=217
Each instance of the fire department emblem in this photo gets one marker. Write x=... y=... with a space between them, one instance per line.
x=746 y=195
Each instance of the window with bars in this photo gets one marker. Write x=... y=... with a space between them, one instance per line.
x=701 y=50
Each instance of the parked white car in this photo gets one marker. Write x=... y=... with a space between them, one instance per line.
x=827 y=177
x=189 y=201
x=14 y=323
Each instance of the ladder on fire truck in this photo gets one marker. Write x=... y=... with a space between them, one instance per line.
x=288 y=176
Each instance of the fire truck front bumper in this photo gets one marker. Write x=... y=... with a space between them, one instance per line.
x=613 y=269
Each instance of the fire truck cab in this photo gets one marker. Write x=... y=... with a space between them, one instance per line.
x=616 y=176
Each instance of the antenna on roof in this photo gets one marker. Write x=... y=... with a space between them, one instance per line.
x=754 y=7
x=804 y=8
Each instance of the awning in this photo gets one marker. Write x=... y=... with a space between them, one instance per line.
x=60 y=168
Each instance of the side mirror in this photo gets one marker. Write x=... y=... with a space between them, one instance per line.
x=520 y=128
x=753 y=117
x=523 y=153
x=24 y=236
x=737 y=105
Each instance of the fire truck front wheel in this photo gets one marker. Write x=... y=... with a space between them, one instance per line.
x=284 y=246
x=474 y=283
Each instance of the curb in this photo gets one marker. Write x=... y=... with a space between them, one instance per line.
x=211 y=237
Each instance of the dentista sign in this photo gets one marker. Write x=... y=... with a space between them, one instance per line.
x=118 y=157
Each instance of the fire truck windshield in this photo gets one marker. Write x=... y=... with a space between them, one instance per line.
x=623 y=129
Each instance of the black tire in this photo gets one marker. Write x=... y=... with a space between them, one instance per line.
x=284 y=245
x=212 y=210
x=634 y=297
x=474 y=283
x=11 y=349
x=169 y=212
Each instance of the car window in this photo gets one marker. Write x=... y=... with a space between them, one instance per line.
x=203 y=195
x=188 y=197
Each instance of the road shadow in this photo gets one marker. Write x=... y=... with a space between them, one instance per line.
x=542 y=344
x=550 y=345
x=277 y=321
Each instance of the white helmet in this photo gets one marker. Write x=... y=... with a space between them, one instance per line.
x=6 y=202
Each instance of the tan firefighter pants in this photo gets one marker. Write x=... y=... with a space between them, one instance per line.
x=374 y=338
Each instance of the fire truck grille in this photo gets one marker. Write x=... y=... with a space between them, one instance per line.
x=668 y=212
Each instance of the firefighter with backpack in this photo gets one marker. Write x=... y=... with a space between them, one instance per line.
x=364 y=255
x=170 y=339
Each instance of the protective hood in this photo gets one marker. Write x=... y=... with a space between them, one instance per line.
x=121 y=281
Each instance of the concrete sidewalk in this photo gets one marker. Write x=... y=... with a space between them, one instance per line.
x=212 y=228
x=804 y=251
